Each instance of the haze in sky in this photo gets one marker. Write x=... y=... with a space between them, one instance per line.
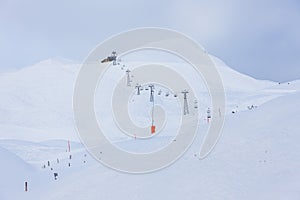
x=259 y=38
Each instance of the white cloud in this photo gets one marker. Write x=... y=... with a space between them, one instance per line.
x=251 y=35
x=207 y=20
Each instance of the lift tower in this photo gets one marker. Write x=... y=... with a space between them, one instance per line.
x=185 y=102
x=128 y=77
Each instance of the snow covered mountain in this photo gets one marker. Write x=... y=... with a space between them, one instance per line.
x=237 y=81
x=257 y=156
x=36 y=101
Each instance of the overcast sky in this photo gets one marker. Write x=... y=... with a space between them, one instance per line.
x=257 y=37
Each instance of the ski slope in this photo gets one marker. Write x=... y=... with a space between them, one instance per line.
x=257 y=157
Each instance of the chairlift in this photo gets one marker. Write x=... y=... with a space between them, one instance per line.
x=196 y=103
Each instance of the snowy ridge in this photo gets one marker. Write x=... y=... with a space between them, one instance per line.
x=38 y=97
x=234 y=80
x=14 y=171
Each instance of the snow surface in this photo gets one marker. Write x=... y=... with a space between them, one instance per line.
x=257 y=157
